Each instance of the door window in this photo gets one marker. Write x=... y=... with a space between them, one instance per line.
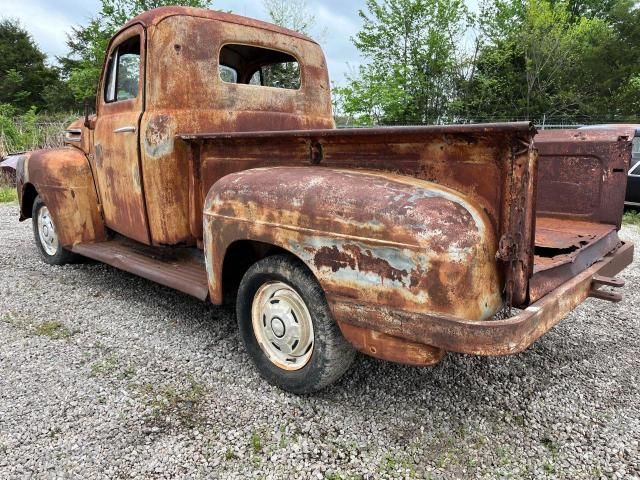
x=123 y=72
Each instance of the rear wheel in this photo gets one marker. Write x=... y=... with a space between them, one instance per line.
x=46 y=236
x=287 y=327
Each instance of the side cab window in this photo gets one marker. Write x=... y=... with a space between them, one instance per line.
x=123 y=72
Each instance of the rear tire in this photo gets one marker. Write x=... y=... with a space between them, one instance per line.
x=287 y=327
x=46 y=237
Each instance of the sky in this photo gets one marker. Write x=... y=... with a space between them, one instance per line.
x=48 y=21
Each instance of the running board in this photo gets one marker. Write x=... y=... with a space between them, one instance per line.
x=182 y=269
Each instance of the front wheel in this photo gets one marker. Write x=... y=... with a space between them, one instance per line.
x=287 y=327
x=46 y=236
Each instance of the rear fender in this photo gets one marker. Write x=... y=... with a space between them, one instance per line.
x=63 y=179
x=369 y=237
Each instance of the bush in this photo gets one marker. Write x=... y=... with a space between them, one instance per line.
x=30 y=131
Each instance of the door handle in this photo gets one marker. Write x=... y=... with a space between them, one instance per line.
x=127 y=129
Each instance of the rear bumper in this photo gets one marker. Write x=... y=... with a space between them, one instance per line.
x=497 y=337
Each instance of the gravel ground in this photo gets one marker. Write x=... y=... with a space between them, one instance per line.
x=105 y=375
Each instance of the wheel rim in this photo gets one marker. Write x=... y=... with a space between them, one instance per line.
x=282 y=325
x=47 y=232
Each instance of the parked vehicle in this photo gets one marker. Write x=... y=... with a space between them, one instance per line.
x=213 y=166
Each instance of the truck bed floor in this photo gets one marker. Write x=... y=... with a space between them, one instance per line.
x=564 y=248
x=180 y=268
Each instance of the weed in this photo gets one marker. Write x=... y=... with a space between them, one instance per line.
x=53 y=329
x=342 y=476
x=174 y=405
x=8 y=194
x=549 y=467
x=229 y=455
x=110 y=365
x=256 y=442
x=389 y=463
x=503 y=456
x=631 y=217
x=550 y=445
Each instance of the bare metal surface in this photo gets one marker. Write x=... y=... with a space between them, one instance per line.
x=117 y=164
x=564 y=248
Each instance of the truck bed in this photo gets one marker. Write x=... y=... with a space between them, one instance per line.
x=555 y=214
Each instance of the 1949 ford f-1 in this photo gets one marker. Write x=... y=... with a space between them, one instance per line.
x=213 y=166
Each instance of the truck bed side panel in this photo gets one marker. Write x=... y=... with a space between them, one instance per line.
x=493 y=165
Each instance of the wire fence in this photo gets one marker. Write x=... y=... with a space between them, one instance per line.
x=541 y=124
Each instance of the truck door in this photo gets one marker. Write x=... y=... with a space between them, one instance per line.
x=120 y=105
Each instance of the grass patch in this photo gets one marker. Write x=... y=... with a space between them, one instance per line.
x=631 y=217
x=549 y=468
x=256 y=442
x=392 y=466
x=342 y=476
x=8 y=194
x=173 y=405
x=54 y=329
x=109 y=366
x=550 y=445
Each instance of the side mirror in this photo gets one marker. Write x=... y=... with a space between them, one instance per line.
x=89 y=117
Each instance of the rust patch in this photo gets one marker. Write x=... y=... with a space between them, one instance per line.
x=367 y=262
x=331 y=257
x=158 y=137
x=355 y=258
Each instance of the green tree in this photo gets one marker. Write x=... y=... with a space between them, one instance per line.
x=25 y=78
x=291 y=14
x=87 y=44
x=294 y=15
x=414 y=61
x=533 y=62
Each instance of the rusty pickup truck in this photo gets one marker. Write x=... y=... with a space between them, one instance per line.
x=213 y=166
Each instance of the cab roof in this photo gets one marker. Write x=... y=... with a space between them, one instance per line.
x=156 y=15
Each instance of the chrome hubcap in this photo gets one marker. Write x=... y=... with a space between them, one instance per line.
x=47 y=232
x=282 y=325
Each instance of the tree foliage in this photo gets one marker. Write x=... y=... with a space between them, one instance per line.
x=531 y=59
x=291 y=14
x=414 y=62
x=25 y=78
x=294 y=15
x=87 y=44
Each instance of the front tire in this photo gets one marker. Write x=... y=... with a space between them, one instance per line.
x=46 y=236
x=287 y=327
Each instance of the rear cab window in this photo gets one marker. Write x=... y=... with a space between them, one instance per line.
x=250 y=65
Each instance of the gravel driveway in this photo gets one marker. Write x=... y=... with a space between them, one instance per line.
x=105 y=375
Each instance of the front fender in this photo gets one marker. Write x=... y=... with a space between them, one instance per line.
x=63 y=179
x=369 y=237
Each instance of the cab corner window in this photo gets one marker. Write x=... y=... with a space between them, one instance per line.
x=123 y=72
x=249 y=65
